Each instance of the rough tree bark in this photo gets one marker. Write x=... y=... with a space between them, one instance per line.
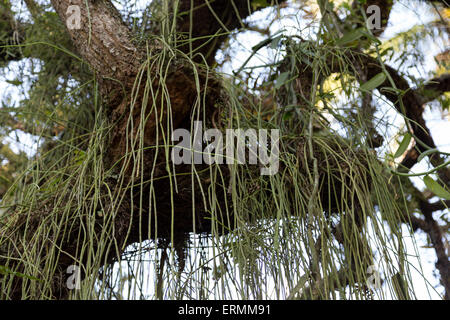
x=105 y=42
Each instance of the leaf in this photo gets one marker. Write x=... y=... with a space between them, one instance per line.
x=426 y=153
x=261 y=44
x=275 y=42
x=281 y=80
x=436 y=188
x=371 y=37
x=393 y=90
x=350 y=37
x=6 y=271
x=403 y=145
x=288 y=115
x=373 y=83
x=14 y=82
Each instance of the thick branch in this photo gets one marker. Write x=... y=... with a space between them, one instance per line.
x=438 y=205
x=432 y=228
x=434 y=88
x=409 y=103
x=210 y=23
x=102 y=39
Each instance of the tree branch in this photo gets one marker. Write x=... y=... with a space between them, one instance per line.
x=411 y=107
x=434 y=231
x=210 y=23
x=434 y=88
x=102 y=39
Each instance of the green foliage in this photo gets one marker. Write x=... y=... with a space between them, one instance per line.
x=349 y=38
x=403 y=145
x=436 y=188
x=374 y=83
